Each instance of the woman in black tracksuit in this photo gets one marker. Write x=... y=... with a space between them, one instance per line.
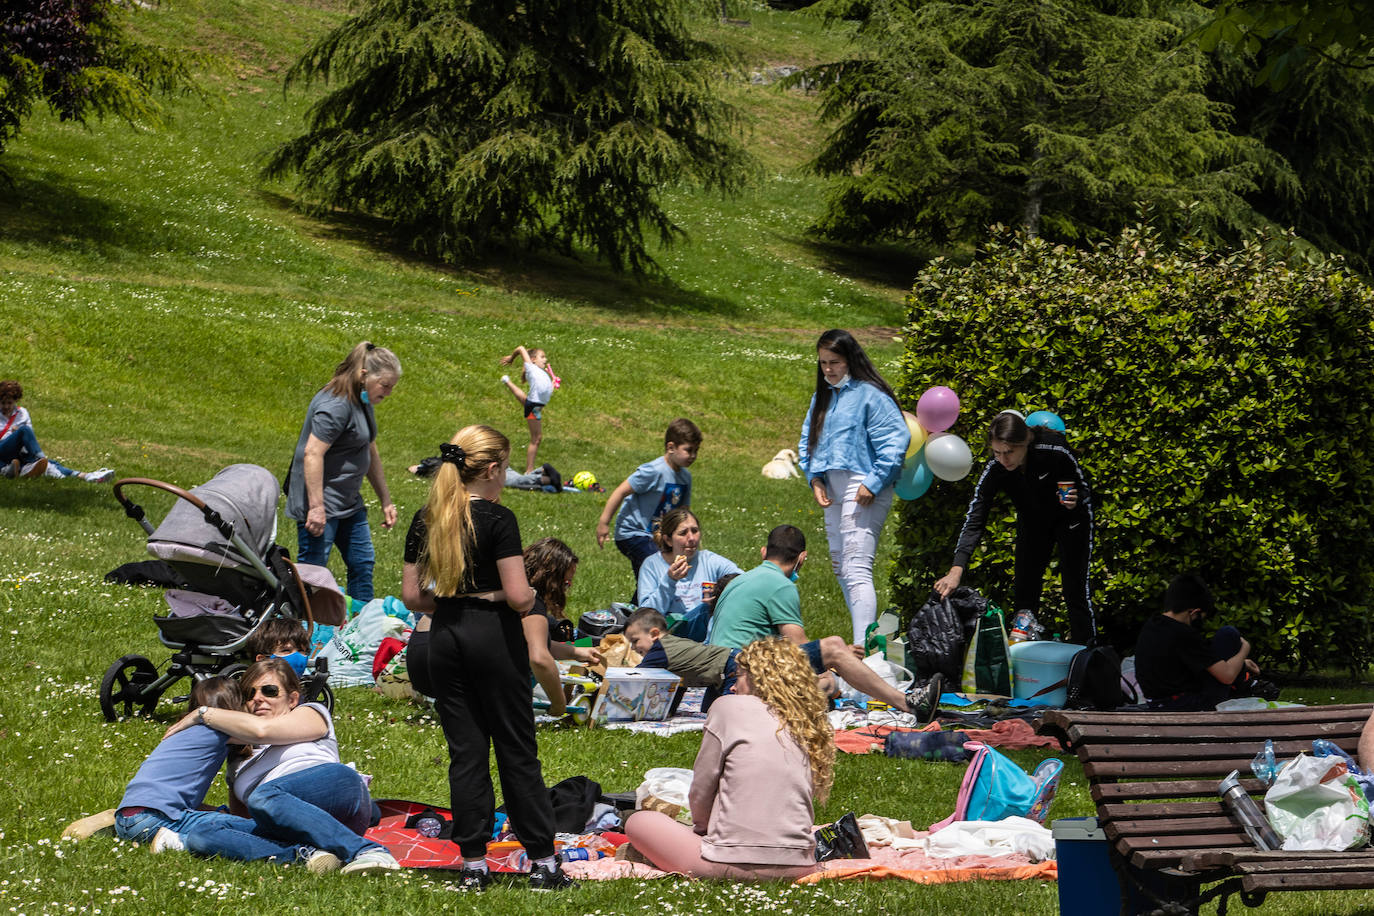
x=463 y=564
x=1052 y=494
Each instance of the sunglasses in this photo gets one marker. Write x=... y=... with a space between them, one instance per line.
x=271 y=691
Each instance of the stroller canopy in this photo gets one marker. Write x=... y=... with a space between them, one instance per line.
x=245 y=496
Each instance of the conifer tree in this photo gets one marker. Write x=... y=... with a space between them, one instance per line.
x=1058 y=116
x=550 y=123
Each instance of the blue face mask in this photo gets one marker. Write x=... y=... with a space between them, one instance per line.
x=297 y=662
x=795 y=574
x=362 y=396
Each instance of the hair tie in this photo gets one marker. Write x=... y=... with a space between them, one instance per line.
x=453 y=454
x=370 y=345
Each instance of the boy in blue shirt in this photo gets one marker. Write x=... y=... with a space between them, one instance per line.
x=653 y=489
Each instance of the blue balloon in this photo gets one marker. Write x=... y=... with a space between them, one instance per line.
x=916 y=477
x=1046 y=418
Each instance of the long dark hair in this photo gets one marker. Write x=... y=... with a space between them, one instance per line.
x=860 y=369
x=547 y=562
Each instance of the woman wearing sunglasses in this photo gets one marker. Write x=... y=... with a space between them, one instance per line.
x=290 y=782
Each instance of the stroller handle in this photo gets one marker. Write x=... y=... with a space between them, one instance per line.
x=212 y=517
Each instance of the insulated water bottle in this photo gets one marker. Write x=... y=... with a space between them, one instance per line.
x=1245 y=812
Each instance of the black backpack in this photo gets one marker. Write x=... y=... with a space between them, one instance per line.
x=1093 y=681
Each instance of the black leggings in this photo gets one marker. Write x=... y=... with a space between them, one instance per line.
x=479 y=670
x=1073 y=534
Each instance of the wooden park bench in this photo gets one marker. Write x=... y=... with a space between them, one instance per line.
x=1154 y=776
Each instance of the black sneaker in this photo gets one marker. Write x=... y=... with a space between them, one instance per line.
x=1265 y=690
x=473 y=880
x=543 y=878
x=554 y=480
x=924 y=702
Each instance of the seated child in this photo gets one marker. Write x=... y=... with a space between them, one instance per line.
x=283 y=638
x=699 y=665
x=20 y=453
x=1180 y=669
x=164 y=797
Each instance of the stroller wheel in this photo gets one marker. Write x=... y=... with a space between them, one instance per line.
x=325 y=697
x=125 y=686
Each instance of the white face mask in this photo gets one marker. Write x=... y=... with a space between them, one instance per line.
x=842 y=382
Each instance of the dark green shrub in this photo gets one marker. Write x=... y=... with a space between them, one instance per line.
x=1221 y=401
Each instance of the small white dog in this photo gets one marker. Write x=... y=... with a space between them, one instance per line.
x=783 y=465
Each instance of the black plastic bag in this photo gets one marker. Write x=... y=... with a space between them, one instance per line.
x=841 y=840
x=939 y=632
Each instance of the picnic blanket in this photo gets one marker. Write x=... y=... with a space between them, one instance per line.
x=922 y=868
x=1008 y=733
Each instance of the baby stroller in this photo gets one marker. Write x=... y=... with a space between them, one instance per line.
x=218 y=538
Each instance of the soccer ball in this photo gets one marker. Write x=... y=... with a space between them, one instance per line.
x=584 y=480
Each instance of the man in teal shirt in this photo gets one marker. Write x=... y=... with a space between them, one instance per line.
x=764 y=603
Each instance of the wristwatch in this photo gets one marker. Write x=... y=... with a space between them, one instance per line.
x=200 y=714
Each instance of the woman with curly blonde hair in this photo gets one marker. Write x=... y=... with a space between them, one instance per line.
x=464 y=566
x=766 y=752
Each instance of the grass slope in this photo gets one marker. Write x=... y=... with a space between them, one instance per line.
x=170 y=314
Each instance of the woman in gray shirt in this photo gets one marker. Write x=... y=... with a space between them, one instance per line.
x=336 y=450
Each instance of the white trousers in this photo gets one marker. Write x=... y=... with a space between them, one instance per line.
x=852 y=531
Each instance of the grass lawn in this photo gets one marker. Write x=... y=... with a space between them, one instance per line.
x=169 y=314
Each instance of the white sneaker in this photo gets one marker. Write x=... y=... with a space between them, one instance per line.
x=167 y=841
x=35 y=468
x=102 y=475
x=370 y=861
x=11 y=469
x=322 y=862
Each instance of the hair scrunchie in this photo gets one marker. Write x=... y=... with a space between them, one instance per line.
x=453 y=454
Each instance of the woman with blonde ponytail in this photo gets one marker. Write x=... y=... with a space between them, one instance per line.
x=464 y=566
x=767 y=750
x=336 y=450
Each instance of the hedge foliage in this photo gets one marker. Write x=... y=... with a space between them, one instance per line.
x=1222 y=401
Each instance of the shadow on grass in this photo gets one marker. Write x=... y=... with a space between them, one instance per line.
x=889 y=264
x=42 y=208
x=72 y=499
x=536 y=273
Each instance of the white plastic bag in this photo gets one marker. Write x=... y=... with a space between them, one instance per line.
x=1315 y=803
x=665 y=789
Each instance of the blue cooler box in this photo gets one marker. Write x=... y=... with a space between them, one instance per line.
x=1087 y=884
x=1036 y=665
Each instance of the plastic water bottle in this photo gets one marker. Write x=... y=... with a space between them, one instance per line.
x=1264 y=766
x=429 y=827
x=579 y=854
x=1023 y=627
x=1245 y=812
x=1322 y=747
x=518 y=860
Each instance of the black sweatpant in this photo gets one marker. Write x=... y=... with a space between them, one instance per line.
x=1072 y=533
x=480 y=671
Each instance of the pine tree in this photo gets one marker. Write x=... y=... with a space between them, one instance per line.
x=551 y=123
x=1059 y=116
x=75 y=56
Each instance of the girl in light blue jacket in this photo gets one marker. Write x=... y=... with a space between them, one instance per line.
x=853 y=443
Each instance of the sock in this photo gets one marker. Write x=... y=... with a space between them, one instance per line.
x=549 y=862
x=478 y=865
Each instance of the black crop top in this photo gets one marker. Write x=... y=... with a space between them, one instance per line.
x=496 y=535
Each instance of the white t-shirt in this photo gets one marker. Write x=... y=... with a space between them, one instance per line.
x=541 y=385
x=273 y=760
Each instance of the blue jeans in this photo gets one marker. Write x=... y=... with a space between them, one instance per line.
x=21 y=444
x=324 y=807
x=353 y=537
x=197 y=828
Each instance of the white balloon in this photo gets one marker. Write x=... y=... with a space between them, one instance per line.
x=948 y=456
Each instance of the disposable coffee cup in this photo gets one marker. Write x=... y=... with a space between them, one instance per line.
x=708 y=589
x=1065 y=491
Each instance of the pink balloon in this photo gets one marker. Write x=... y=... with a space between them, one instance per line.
x=937 y=409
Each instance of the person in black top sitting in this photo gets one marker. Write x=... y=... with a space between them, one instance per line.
x=1053 y=497
x=463 y=564
x=1180 y=669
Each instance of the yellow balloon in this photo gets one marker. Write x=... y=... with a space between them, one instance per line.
x=918 y=435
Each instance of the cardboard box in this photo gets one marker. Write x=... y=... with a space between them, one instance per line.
x=635 y=694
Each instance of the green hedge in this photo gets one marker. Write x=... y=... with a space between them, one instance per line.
x=1222 y=402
